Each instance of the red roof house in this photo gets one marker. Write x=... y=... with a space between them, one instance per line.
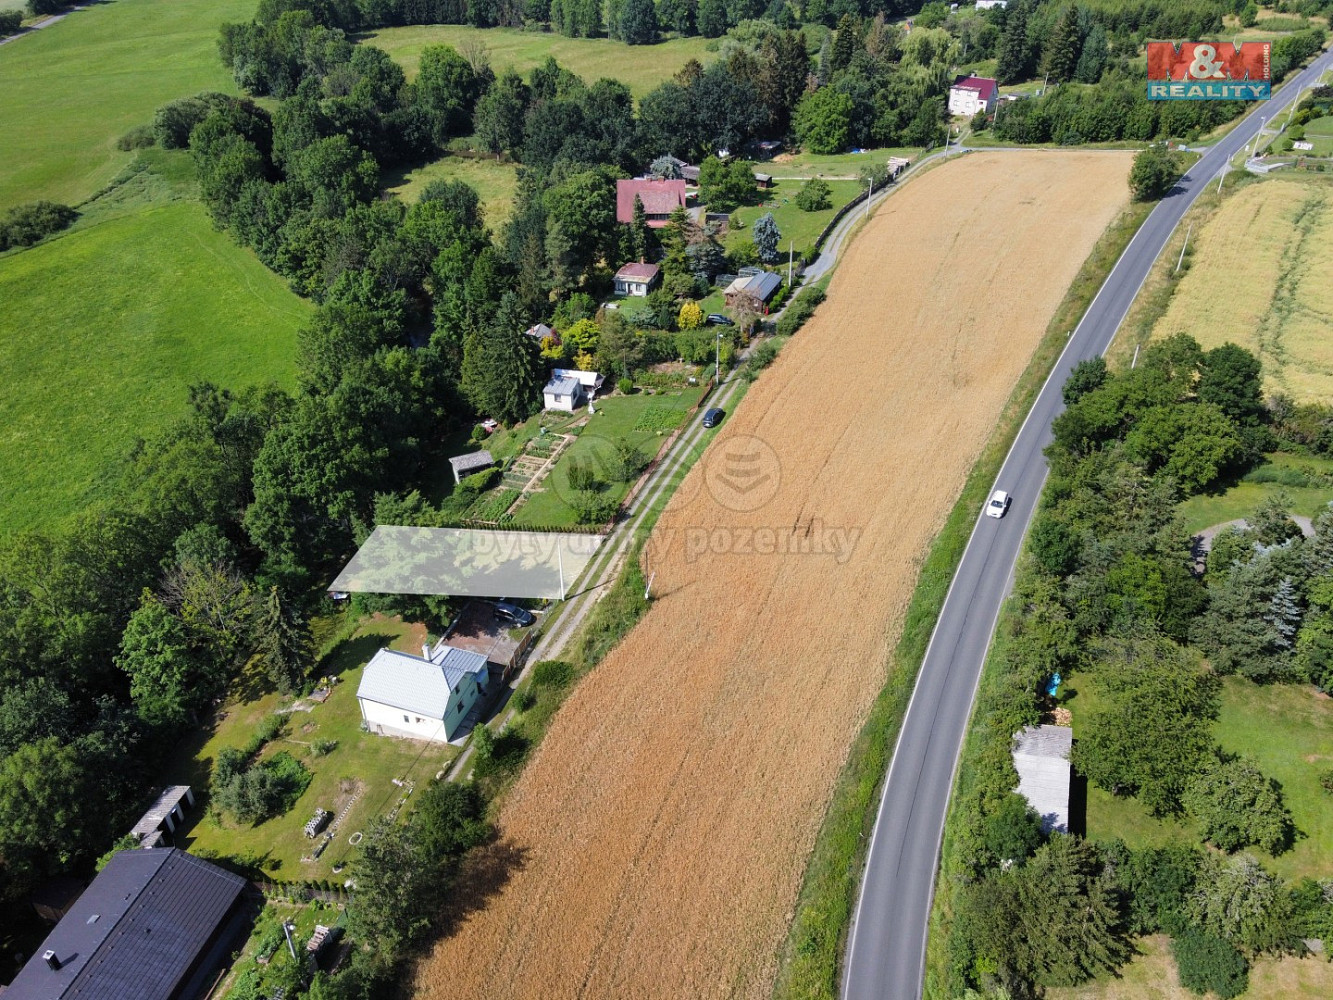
x=660 y=198
x=970 y=94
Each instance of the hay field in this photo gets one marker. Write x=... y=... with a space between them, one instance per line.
x=1259 y=278
x=656 y=842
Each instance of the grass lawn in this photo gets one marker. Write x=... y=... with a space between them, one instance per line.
x=103 y=330
x=72 y=89
x=496 y=183
x=371 y=762
x=640 y=67
x=1205 y=510
x=801 y=228
x=1286 y=728
x=833 y=165
x=1152 y=976
x=641 y=419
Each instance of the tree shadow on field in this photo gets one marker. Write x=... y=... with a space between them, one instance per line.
x=486 y=871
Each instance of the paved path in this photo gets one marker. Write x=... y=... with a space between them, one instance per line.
x=886 y=954
x=44 y=23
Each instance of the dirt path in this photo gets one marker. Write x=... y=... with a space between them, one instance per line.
x=655 y=844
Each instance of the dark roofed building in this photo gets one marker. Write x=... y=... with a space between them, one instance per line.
x=154 y=925
x=473 y=461
x=660 y=198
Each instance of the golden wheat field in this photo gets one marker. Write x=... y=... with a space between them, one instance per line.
x=658 y=837
x=1259 y=278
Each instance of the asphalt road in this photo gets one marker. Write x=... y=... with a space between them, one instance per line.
x=886 y=953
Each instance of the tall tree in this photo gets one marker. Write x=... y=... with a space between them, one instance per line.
x=446 y=88
x=282 y=636
x=1064 y=45
x=1237 y=806
x=638 y=22
x=501 y=367
x=170 y=678
x=1015 y=57
x=498 y=121
x=766 y=236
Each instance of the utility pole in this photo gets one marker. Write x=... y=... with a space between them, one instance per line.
x=717 y=359
x=647 y=590
x=870 y=194
x=790 y=245
x=1222 y=176
x=1182 y=248
x=560 y=561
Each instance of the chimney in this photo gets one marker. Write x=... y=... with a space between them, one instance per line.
x=49 y=957
x=425 y=651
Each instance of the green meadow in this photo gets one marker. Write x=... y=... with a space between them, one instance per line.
x=640 y=67
x=103 y=328
x=74 y=88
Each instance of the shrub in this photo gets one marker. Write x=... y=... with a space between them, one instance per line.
x=552 y=674
x=593 y=506
x=1013 y=831
x=139 y=137
x=479 y=481
x=1326 y=781
x=24 y=225
x=320 y=748
x=625 y=385
x=815 y=195
x=801 y=309
x=581 y=476
x=1207 y=963
x=175 y=120
x=525 y=700
x=262 y=790
x=10 y=22
x=760 y=358
x=1155 y=171
x=628 y=462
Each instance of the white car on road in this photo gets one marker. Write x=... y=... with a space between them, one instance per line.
x=999 y=504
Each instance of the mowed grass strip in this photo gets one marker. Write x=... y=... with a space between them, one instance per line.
x=101 y=332
x=72 y=89
x=640 y=67
x=1258 y=278
x=798 y=228
x=496 y=183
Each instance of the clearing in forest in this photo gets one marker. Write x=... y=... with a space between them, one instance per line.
x=658 y=837
x=1258 y=277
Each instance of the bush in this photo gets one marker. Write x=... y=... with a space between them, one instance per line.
x=139 y=137
x=1207 y=963
x=800 y=310
x=175 y=120
x=581 y=476
x=10 y=22
x=625 y=385
x=760 y=358
x=1326 y=781
x=815 y=195
x=552 y=674
x=24 y=225
x=593 y=506
x=320 y=748
x=1013 y=831
x=479 y=481
x=263 y=790
x=1155 y=171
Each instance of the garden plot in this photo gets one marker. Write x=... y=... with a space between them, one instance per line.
x=665 y=820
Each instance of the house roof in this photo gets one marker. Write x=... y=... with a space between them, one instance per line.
x=562 y=386
x=985 y=87
x=416 y=684
x=539 y=331
x=638 y=271
x=589 y=380
x=135 y=932
x=659 y=197
x=762 y=286
x=1041 y=758
x=472 y=460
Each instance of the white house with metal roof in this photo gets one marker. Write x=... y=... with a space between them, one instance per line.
x=425 y=697
x=1041 y=758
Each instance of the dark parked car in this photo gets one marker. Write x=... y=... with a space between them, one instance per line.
x=717 y=319
x=713 y=417
x=513 y=613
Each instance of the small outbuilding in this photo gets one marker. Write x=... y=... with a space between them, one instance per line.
x=466 y=465
x=426 y=697
x=764 y=181
x=1041 y=758
x=163 y=816
x=753 y=291
x=570 y=388
x=637 y=278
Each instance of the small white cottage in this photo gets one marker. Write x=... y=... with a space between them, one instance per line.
x=424 y=697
